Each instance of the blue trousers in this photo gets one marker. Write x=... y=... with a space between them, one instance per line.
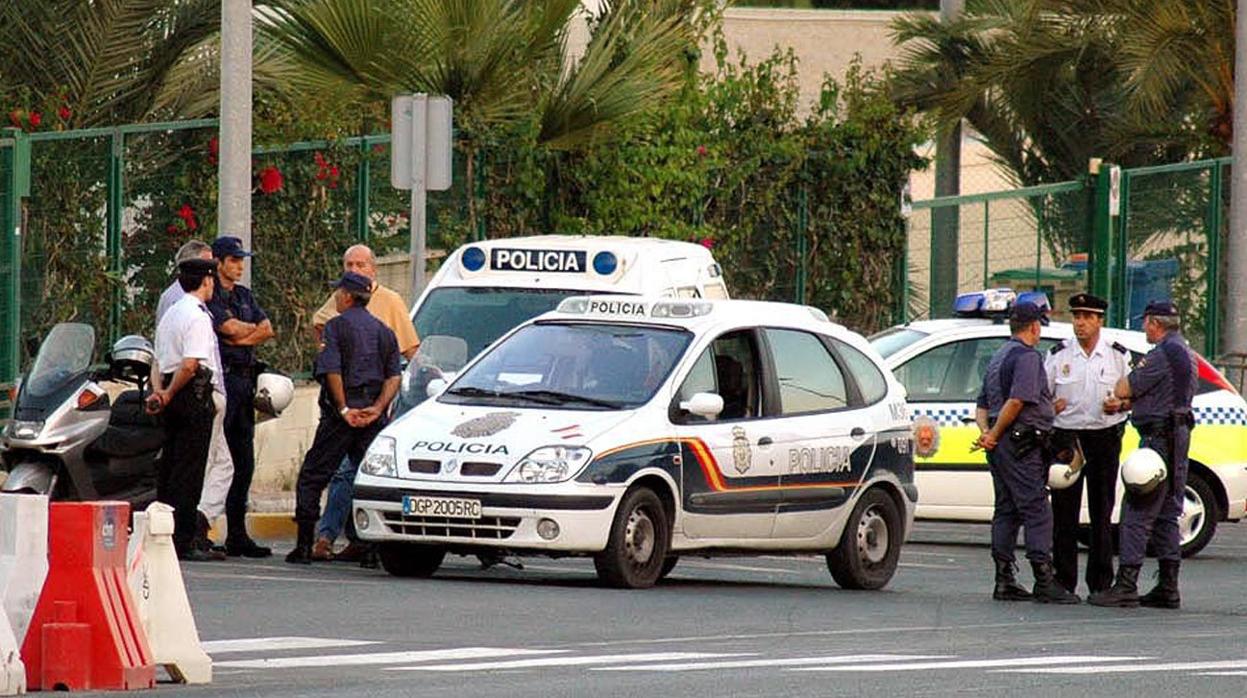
x=337 y=514
x=1154 y=516
x=1020 y=482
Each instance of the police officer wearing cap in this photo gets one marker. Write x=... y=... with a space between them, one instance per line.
x=241 y=325
x=183 y=378
x=1015 y=416
x=1162 y=387
x=358 y=367
x=1082 y=373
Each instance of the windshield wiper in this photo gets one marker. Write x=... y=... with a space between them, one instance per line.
x=555 y=397
x=472 y=391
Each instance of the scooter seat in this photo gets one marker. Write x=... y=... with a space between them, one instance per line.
x=131 y=431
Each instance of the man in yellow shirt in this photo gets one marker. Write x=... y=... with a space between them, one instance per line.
x=388 y=307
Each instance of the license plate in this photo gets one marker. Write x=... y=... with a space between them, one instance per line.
x=446 y=507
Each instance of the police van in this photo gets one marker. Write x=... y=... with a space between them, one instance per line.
x=941 y=364
x=486 y=288
x=636 y=430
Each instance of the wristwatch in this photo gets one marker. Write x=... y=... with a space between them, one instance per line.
x=343 y=411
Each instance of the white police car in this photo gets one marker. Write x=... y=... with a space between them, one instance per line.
x=941 y=364
x=486 y=288
x=634 y=430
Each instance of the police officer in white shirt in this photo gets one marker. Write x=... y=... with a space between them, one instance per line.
x=1082 y=372
x=185 y=376
x=220 y=472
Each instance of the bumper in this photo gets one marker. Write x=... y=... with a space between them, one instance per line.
x=1233 y=477
x=508 y=518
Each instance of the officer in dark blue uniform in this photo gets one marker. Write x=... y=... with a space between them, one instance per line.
x=1161 y=387
x=241 y=326
x=359 y=373
x=1015 y=417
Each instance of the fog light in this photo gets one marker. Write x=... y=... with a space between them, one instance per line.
x=361 y=520
x=548 y=529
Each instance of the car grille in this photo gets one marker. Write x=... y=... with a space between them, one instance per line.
x=484 y=528
x=424 y=467
x=473 y=469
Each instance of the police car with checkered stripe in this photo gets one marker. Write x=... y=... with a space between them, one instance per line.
x=941 y=364
x=637 y=430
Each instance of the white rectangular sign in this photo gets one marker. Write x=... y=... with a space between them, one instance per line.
x=406 y=113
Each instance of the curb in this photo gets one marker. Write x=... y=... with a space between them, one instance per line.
x=264 y=526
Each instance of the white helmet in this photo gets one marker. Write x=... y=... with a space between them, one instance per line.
x=1062 y=475
x=1143 y=471
x=273 y=393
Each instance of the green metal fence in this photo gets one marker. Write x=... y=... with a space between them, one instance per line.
x=1157 y=234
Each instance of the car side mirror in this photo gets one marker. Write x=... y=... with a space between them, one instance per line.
x=435 y=387
x=707 y=405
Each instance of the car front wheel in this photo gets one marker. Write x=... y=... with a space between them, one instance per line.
x=640 y=536
x=870 y=546
x=410 y=559
x=1198 y=521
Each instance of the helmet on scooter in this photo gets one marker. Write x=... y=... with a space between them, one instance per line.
x=131 y=357
x=273 y=393
x=1143 y=471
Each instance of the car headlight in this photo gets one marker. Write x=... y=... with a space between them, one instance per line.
x=550 y=464
x=381 y=459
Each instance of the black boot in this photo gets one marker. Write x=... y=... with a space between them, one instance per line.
x=302 y=553
x=1125 y=591
x=1165 y=593
x=1007 y=587
x=201 y=542
x=1047 y=590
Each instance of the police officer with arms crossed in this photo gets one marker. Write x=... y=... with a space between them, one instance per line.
x=182 y=387
x=241 y=326
x=359 y=371
x=1082 y=373
x=1015 y=417
x=388 y=307
x=220 y=471
x=1162 y=387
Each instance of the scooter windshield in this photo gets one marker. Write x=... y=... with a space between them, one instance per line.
x=65 y=354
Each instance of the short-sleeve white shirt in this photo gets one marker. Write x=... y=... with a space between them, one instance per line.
x=185 y=332
x=1084 y=380
x=171 y=295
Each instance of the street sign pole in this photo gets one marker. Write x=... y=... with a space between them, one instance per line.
x=420 y=160
x=419 y=194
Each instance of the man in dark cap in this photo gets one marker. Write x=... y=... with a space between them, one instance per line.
x=1015 y=417
x=1162 y=387
x=358 y=367
x=183 y=378
x=1082 y=372
x=241 y=326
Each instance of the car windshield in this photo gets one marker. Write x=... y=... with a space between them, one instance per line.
x=65 y=353
x=573 y=366
x=894 y=339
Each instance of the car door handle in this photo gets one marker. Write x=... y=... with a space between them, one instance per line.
x=765 y=441
x=857 y=432
x=968 y=420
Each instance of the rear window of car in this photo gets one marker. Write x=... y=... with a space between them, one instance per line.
x=894 y=339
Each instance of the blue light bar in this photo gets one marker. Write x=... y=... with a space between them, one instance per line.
x=605 y=263
x=473 y=259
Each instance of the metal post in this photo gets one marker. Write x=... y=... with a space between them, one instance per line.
x=986 y=228
x=234 y=172
x=18 y=187
x=419 y=194
x=1212 y=304
x=363 y=187
x=803 y=224
x=115 y=206
x=1120 y=308
x=481 y=229
x=1236 y=243
x=1101 y=234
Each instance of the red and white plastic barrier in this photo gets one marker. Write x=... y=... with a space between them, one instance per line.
x=23 y=568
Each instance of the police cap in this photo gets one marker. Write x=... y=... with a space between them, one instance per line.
x=1161 y=307
x=197 y=267
x=1026 y=312
x=228 y=246
x=1087 y=303
x=352 y=281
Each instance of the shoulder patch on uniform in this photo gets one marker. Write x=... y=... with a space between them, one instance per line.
x=1056 y=348
x=1118 y=346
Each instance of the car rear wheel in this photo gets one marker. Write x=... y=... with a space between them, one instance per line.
x=411 y=559
x=870 y=546
x=1198 y=521
x=639 y=539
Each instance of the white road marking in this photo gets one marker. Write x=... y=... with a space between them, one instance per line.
x=927 y=566
x=269 y=644
x=572 y=661
x=975 y=663
x=275 y=578
x=378 y=658
x=1138 y=668
x=791 y=661
x=1223 y=673
x=731 y=567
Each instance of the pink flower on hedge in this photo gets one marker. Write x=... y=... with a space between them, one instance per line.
x=271 y=180
x=702 y=151
x=35 y=119
x=707 y=243
x=64 y=113
x=187 y=214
